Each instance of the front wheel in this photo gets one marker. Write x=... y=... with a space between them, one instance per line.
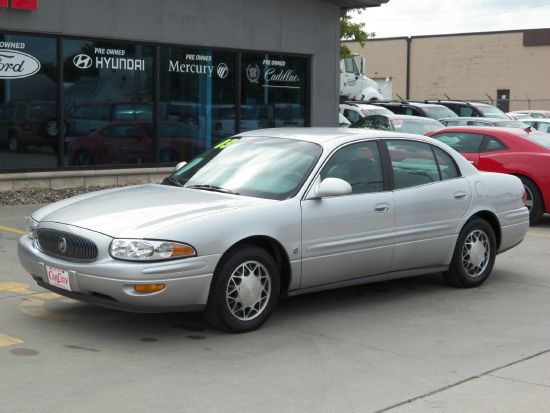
x=244 y=290
x=474 y=255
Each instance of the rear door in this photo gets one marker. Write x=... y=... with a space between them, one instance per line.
x=431 y=197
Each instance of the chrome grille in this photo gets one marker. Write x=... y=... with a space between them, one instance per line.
x=66 y=246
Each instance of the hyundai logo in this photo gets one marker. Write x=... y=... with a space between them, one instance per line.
x=62 y=245
x=82 y=61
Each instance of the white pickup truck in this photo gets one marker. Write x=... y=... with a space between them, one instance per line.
x=354 y=85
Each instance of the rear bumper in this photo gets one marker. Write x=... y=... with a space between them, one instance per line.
x=514 y=226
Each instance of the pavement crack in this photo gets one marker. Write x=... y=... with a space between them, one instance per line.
x=458 y=383
x=519 y=381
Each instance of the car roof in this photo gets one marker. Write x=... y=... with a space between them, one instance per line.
x=406 y=117
x=480 y=119
x=323 y=135
x=482 y=129
x=360 y=105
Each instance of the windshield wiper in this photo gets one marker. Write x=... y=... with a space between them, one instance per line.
x=213 y=188
x=169 y=180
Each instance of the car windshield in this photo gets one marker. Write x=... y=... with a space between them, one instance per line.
x=271 y=168
x=438 y=112
x=420 y=126
x=541 y=139
x=492 y=112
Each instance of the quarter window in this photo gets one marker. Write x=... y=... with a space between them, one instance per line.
x=447 y=165
x=493 y=144
x=358 y=164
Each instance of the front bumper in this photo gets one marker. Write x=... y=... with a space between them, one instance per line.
x=109 y=283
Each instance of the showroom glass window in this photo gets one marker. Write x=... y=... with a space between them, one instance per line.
x=197 y=99
x=108 y=103
x=273 y=91
x=28 y=102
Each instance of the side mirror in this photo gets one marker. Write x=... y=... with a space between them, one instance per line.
x=179 y=166
x=332 y=187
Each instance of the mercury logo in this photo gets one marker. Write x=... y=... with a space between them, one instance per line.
x=82 y=61
x=222 y=70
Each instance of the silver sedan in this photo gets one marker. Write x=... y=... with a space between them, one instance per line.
x=276 y=213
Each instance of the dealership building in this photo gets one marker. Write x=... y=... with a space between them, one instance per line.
x=114 y=92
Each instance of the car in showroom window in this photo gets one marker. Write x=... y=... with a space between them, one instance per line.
x=274 y=213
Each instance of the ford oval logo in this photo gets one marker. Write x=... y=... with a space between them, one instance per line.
x=62 y=245
x=16 y=65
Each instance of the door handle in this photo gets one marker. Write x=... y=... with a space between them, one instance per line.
x=381 y=208
x=460 y=195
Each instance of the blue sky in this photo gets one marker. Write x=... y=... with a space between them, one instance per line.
x=422 y=17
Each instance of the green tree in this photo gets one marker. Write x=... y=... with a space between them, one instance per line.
x=352 y=31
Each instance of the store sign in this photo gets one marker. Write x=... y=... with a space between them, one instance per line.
x=197 y=64
x=274 y=74
x=19 y=4
x=16 y=65
x=113 y=59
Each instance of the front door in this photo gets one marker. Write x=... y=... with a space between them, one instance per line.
x=350 y=236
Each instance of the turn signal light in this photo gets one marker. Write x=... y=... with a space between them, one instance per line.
x=149 y=288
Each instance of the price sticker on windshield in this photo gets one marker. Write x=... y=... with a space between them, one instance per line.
x=224 y=144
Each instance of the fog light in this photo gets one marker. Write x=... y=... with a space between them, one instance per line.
x=149 y=288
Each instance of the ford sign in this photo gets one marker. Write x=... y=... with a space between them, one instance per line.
x=16 y=65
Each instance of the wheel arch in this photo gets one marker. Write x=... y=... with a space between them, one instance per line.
x=545 y=201
x=493 y=221
x=273 y=248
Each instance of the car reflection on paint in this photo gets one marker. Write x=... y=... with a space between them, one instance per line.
x=273 y=213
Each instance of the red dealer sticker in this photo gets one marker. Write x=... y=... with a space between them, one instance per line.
x=20 y=4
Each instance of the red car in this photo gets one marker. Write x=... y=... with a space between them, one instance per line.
x=506 y=150
x=131 y=143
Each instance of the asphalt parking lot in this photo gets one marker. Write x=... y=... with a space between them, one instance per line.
x=412 y=345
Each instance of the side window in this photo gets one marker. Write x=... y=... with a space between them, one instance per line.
x=413 y=163
x=351 y=115
x=447 y=165
x=349 y=65
x=492 y=144
x=466 y=111
x=358 y=164
x=461 y=142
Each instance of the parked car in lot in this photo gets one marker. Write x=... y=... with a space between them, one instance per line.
x=398 y=123
x=476 y=121
x=512 y=151
x=132 y=143
x=412 y=108
x=276 y=213
x=531 y=113
x=472 y=109
x=540 y=124
x=342 y=121
x=24 y=123
x=353 y=111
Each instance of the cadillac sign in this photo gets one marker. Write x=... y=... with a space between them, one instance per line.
x=16 y=65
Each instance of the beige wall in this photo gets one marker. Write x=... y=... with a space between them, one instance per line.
x=465 y=67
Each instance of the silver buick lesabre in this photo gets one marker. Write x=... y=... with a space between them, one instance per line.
x=276 y=213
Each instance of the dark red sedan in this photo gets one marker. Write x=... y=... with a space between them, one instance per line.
x=506 y=150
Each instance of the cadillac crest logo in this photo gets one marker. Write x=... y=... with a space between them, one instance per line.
x=253 y=73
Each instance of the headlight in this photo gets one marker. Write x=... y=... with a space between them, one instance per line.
x=148 y=250
x=32 y=224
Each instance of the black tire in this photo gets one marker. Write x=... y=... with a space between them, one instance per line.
x=14 y=144
x=83 y=158
x=466 y=270
x=225 y=309
x=50 y=128
x=534 y=198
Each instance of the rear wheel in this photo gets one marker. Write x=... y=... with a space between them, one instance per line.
x=244 y=290
x=474 y=255
x=533 y=201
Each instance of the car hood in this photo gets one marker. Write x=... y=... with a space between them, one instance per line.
x=140 y=210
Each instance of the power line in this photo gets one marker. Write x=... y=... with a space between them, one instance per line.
x=462 y=17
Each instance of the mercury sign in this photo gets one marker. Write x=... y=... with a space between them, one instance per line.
x=17 y=65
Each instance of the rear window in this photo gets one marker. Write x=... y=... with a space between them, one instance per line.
x=492 y=111
x=438 y=112
x=538 y=138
